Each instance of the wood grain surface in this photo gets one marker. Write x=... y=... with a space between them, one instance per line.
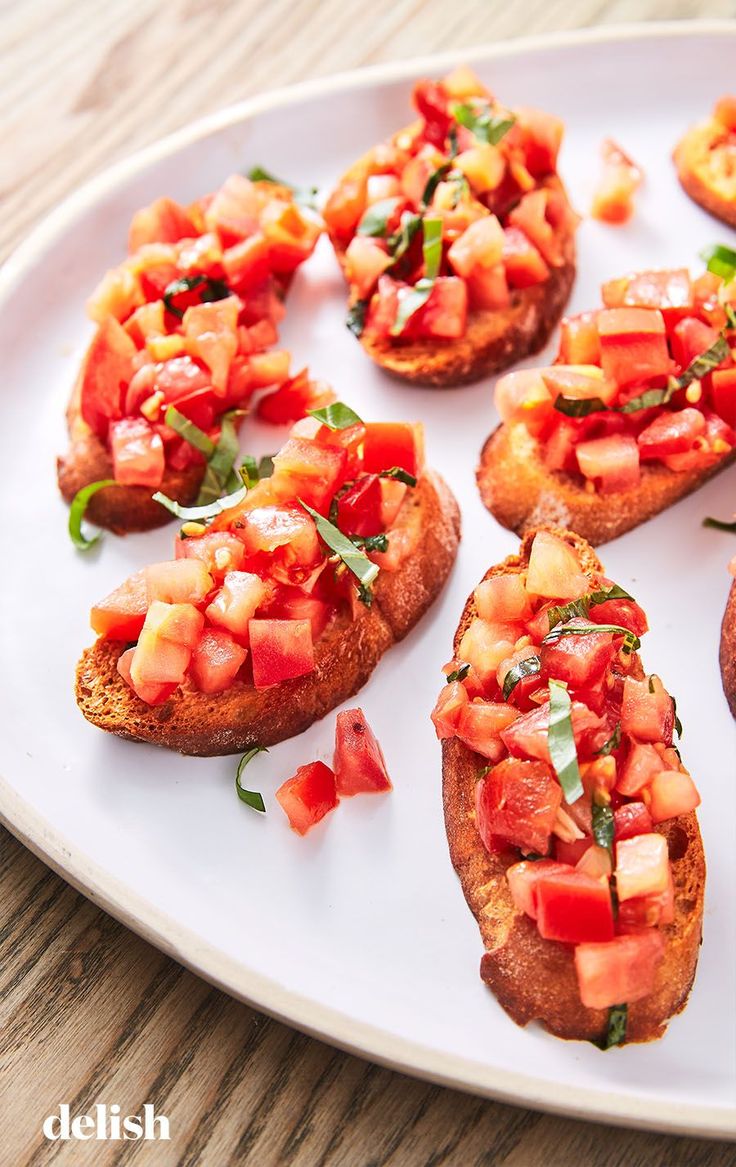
x=88 y=1012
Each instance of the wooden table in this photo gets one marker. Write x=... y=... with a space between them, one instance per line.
x=89 y=1012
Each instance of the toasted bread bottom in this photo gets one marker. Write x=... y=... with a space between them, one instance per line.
x=691 y=157
x=345 y=655
x=521 y=493
x=727 y=653
x=534 y=979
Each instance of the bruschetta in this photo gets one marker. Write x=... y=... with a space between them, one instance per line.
x=705 y=160
x=456 y=236
x=638 y=411
x=569 y=814
x=189 y=319
x=278 y=604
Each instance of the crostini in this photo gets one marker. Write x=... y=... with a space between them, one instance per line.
x=280 y=603
x=569 y=815
x=705 y=160
x=188 y=319
x=456 y=236
x=727 y=654
x=638 y=411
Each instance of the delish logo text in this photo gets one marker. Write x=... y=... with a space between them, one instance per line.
x=107 y=1123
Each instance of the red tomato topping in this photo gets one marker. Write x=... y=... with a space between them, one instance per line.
x=574 y=908
x=524 y=878
x=120 y=615
x=613 y=201
x=647 y=712
x=359 y=764
x=308 y=796
x=280 y=650
x=622 y=970
x=216 y=661
x=517 y=802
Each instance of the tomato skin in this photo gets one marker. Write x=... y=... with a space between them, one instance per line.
x=578 y=660
x=388 y=444
x=630 y=819
x=480 y=724
x=120 y=615
x=671 y=432
x=105 y=374
x=216 y=661
x=633 y=344
x=623 y=969
x=523 y=879
x=359 y=764
x=645 y=715
x=359 y=510
x=308 y=796
x=447 y=711
x=574 y=908
x=517 y=801
x=280 y=650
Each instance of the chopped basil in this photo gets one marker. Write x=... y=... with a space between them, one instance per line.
x=252 y=470
x=357 y=313
x=336 y=416
x=561 y=742
x=76 y=514
x=375 y=219
x=306 y=195
x=720 y=260
x=616 y=1030
x=400 y=241
x=354 y=559
x=400 y=475
x=417 y=296
x=720 y=525
x=702 y=364
x=612 y=744
x=370 y=542
x=458 y=674
x=211 y=290
x=678 y=723
x=251 y=797
x=219 y=476
x=197 y=513
x=581 y=607
x=483 y=123
x=730 y=315
x=603 y=826
x=525 y=668
x=433 y=182
x=579 y=406
x=190 y=432
x=631 y=642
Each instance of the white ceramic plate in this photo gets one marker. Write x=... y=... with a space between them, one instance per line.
x=359 y=933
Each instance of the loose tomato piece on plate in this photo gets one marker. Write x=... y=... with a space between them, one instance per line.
x=359 y=764
x=308 y=796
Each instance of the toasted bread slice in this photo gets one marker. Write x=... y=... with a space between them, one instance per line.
x=728 y=650
x=345 y=655
x=696 y=163
x=534 y=979
x=522 y=493
x=493 y=340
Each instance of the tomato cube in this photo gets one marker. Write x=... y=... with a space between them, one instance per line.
x=523 y=396
x=137 y=453
x=120 y=615
x=480 y=724
x=216 y=660
x=518 y=803
x=164 y=221
x=388 y=444
x=621 y=971
x=293 y=604
x=365 y=260
x=723 y=394
x=648 y=911
x=642 y=866
x=444 y=315
x=642 y=762
x=485 y=645
x=630 y=819
x=105 y=374
x=671 y=793
x=647 y=711
x=633 y=344
x=554 y=569
x=523 y=879
x=574 y=908
x=280 y=650
x=528 y=736
x=268 y=528
x=359 y=509
x=164 y=648
x=479 y=246
x=690 y=338
x=219 y=551
x=237 y=601
x=522 y=261
x=308 y=796
x=612 y=462
x=153 y=693
x=530 y=216
x=579 y=383
x=578 y=660
x=178 y=581
x=446 y=713
x=579 y=340
x=671 y=433
x=393 y=494
x=503 y=599
x=359 y=764
x=308 y=470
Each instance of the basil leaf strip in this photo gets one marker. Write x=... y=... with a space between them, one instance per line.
x=704 y=363
x=458 y=674
x=250 y=797
x=400 y=475
x=417 y=296
x=433 y=182
x=219 y=476
x=375 y=219
x=370 y=542
x=612 y=744
x=561 y=742
x=616 y=1031
x=631 y=642
x=336 y=416
x=252 y=471
x=579 y=406
x=730 y=315
x=483 y=123
x=354 y=559
x=603 y=826
x=720 y=525
x=190 y=432
x=401 y=240
x=524 y=668
x=720 y=260
x=76 y=514
x=211 y=290
x=581 y=607
x=197 y=513
x=357 y=313
x=306 y=195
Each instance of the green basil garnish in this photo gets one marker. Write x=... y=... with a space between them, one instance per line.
x=458 y=674
x=219 y=476
x=581 y=607
x=433 y=182
x=252 y=470
x=525 y=668
x=417 y=296
x=357 y=313
x=702 y=364
x=720 y=525
x=76 y=514
x=370 y=542
x=305 y=195
x=720 y=260
x=561 y=742
x=612 y=744
x=197 y=513
x=336 y=416
x=211 y=290
x=603 y=826
x=400 y=475
x=483 y=123
x=251 y=797
x=190 y=432
x=579 y=406
x=375 y=219
x=631 y=642
x=400 y=241
x=354 y=559
x=616 y=1030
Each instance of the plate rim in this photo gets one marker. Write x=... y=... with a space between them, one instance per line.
x=39 y=835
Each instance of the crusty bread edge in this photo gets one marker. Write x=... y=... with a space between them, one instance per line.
x=727 y=652
x=534 y=979
x=694 y=186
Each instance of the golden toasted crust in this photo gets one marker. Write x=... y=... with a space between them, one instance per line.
x=534 y=979
x=521 y=493
x=493 y=339
x=728 y=650
x=345 y=655
x=693 y=165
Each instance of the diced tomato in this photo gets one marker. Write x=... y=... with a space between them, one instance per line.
x=517 y=802
x=445 y=313
x=219 y=551
x=280 y=650
x=580 y=383
x=503 y=599
x=578 y=660
x=690 y=338
x=488 y=288
x=293 y=398
x=611 y=462
x=291 y=236
x=725 y=112
x=630 y=819
x=523 y=396
x=723 y=394
x=671 y=793
x=105 y=375
x=642 y=866
x=647 y=712
x=446 y=713
x=388 y=444
x=574 y=908
x=671 y=432
x=480 y=724
x=528 y=736
x=621 y=971
x=308 y=796
x=625 y=613
x=345 y=206
x=521 y=259
x=178 y=379
x=211 y=331
x=365 y=260
x=595 y=861
x=579 y=340
x=164 y=221
x=485 y=645
x=308 y=470
x=293 y=604
x=531 y=217
x=572 y=852
x=152 y=694
x=137 y=453
x=118 y=294
x=480 y=246
x=523 y=879
x=554 y=569
x=120 y=615
x=483 y=165
x=164 y=648
x=633 y=344
x=648 y=911
x=393 y=494
x=359 y=509
x=542 y=137
x=237 y=601
x=216 y=661
x=234 y=210
x=247 y=260
x=359 y=764
x=613 y=201
x=178 y=581
x=670 y=291
x=270 y=528
x=641 y=764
